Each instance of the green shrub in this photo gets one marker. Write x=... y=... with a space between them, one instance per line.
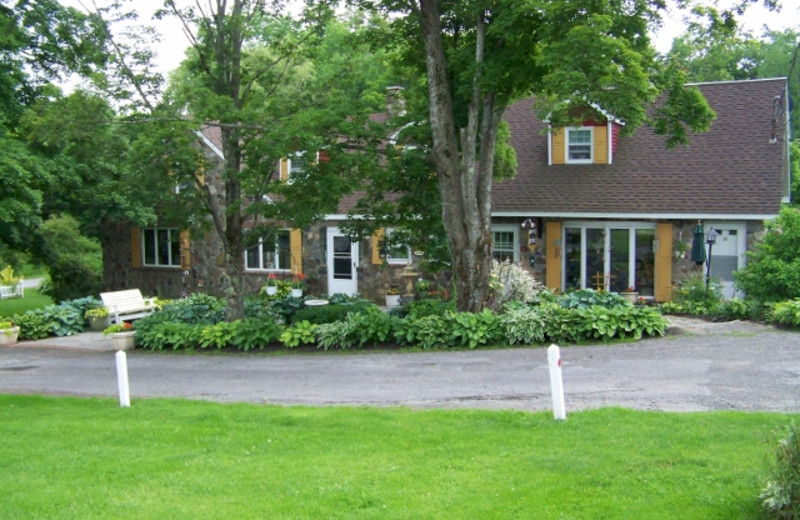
x=734 y=309
x=338 y=334
x=301 y=333
x=253 y=333
x=64 y=319
x=197 y=308
x=416 y=309
x=694 y=297
x=429 y=332
x=75 y=262
x=786 y=313
x=218 y=335
x=584 y=298
x=772 y=272
x=523 y=325
x=371 y=326
x=332 y=312
x=781 y=493
x=472 y=329
x=167 y=335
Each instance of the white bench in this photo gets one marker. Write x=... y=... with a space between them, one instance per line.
x=11 y=291
x=127 y=305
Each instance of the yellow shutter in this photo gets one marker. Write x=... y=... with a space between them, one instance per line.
x=559 y=136
x=600 y=144
x=377 y=238
x=136 y=247
x=283 y=168
x=186 y=251
x=296 y=249
x=663 y=262
x=553 y=255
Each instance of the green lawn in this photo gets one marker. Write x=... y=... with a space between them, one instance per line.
x=33 y=300
x=88 y=458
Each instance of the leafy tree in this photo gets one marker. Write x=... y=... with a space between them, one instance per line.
x=275 y=88
x=772 y=272
x=75 y=262
x=479 y=57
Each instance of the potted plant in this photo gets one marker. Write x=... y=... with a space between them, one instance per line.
x=422 y=287
x=272 y=284
x=121 y=335
x=9 y=282
x=630 y=294
x=98 y=318
x=8 y=333
x=393 y=296
x=298 y=285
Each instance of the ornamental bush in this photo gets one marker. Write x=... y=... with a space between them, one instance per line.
x=772 y=272
x=781 y=493
x=513 y=283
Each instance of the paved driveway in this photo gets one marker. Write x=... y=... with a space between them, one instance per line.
x=738 y=366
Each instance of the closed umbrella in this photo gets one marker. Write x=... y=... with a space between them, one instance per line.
x=698 y=245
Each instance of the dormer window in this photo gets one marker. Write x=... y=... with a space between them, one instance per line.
x=579 y=145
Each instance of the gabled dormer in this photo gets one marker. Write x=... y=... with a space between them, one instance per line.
x=592 y=141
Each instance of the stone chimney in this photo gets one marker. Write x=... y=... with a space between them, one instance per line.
x=395 y=102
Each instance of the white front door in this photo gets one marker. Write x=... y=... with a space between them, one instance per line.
x=727 y=254
x=342 y=263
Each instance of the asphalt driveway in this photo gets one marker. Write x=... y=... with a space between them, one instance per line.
x=698 y=366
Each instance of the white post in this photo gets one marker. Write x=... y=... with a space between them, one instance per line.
x=556 y=384
x=122 y=379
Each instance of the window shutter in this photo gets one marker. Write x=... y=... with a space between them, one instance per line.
x=600 y=144
x=136 y=247
x=283 y=169
x=377 y=238
x=559 y=136
x=663 y=262
x=186 y=251
x=553 y=255
x=296 y=250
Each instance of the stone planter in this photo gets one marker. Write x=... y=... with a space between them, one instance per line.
x=9 y=336
x=297 y=293
x=630 y=296
x=392 y=300
x=99 y=323
x=123 y=340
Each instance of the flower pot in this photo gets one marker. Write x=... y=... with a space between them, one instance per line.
x=392 y=300
x=272 y=290
x=297 y=293
x=9 y=336
x=123 y=340
x=99 y=323
x=631 y=296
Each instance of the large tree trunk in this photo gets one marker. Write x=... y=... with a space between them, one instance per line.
x=233 y=238
x=464 y=164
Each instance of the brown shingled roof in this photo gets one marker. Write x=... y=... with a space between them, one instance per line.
x=733 y=169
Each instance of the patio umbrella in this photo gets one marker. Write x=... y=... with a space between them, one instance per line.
x=698 y=245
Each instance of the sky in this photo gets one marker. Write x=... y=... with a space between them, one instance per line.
x=171 y=49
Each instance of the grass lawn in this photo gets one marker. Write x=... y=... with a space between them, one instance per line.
x=33 y=300
x=88 y=458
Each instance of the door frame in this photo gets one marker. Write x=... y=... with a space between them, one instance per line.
x=341 y=285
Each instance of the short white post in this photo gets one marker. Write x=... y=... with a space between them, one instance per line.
x=556 y=384
x=122 y=379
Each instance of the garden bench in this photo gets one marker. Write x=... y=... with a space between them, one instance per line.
x=127 y=305
x=11 y=291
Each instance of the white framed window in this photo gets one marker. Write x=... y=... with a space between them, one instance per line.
x=297 y=164
x=396 y=254
x=161 y=247
x=270 y=255
x=579 y=145
x=505 y=243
